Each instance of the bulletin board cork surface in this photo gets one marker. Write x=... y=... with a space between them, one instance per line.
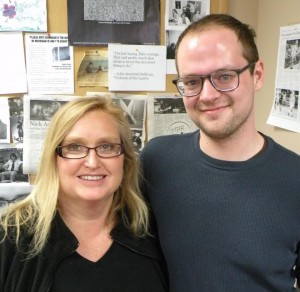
x=58 y=23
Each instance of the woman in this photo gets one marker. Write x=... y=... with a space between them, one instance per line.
x=184 y=19
x=84 y=225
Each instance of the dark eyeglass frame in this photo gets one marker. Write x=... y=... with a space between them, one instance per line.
x=59 y=150
x=210 y=78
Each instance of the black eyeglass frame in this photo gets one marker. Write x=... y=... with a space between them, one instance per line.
x=59 y=151
x=209 y=77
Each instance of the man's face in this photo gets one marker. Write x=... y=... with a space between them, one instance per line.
x=218 y=114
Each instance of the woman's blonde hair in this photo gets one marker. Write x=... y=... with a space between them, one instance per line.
x=35 y=212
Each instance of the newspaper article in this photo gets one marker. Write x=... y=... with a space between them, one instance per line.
x=49 y=62
x=38 y=112
x=285 y=110
x=166 y=115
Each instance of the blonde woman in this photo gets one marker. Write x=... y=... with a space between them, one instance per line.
x=84 y=227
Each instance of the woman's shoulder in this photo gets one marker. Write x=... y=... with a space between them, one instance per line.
x=146 y=245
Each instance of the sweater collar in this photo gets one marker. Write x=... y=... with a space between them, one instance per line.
x=63 y=242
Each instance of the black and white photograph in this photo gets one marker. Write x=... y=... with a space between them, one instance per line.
x=43 y=110
x=171 y=40
x=16 y=110
x=137 y=140
x=11 y=166
x=134 y=110
x=292 y=54
x=61 y=53
x=168 y=106
x=185 y=12
x=286 y=103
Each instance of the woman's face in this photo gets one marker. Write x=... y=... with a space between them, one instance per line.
x=92 y=180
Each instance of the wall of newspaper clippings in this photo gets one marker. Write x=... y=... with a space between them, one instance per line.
x=64 y=50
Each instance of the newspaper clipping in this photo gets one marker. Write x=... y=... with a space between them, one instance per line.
x=285 y=110
x=167 y=115
x=49 y=64
x=38 y=112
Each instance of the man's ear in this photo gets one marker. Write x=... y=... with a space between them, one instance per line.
x=258 y=75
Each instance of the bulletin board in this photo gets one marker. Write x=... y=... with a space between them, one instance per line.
x=57 y=23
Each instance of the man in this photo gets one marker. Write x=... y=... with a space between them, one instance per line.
x=226 y=198
x=11 y=167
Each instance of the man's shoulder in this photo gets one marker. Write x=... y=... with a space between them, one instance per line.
x=167 y=147
x=283 y=152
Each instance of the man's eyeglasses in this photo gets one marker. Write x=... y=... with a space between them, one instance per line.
x=222 y=80
x=77 y=151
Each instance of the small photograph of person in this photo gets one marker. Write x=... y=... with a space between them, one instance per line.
x=171 y=51
x=171 y=40
x=175 y=16
x=137 y=140
x=292 y=54
x=12 y=169
x=197 y=15
x=88 y=68
x=16 y=119
x=184 y=19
